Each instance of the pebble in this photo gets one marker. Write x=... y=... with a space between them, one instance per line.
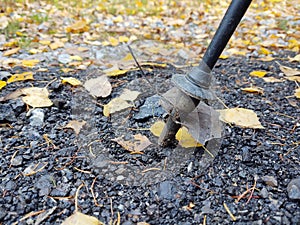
x=270 y=181
x=17 y=161
x=150 y=108
x=37 y=117
x=166 y=190
x=293 y=189
x=263 y=193
x=7 y=113
x=64 y=58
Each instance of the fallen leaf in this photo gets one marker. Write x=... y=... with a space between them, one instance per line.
x=288 y=71
x=36 y=97
x=223 y=56
x=117 y=72
x=11 y=52
x=75 y=125
x=293 y=78
x=13 y=95
x=157 y=128
x=241 y=117
x=185 y=139
x=123 y=39
x=295 y=59
x=297 y=93
x=2 y=84
x=21 y=77
x=135 y=146
x=267 y=59
x=115 y=105
x=264 y=51
x=78 y=27
x=30 y=63
x=272 y=79
x=99 y=87
x=45 y=42
x=129 y=95
x=113 y=41
x=71 y=80
x=4 y=21
x=256 y=90
x=79 y=218
x=56 y=45
x=76 y=57
x=258 y=73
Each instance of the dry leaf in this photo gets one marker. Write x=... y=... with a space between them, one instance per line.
x=116 y=72
x=293 y=78
x=75 y=125
x=115 y=105
x=79 y=218
x=272 y=79
x=113 y=41
x=157 y=128
x=223 y=56
x=11 y=52
x=257 y=90
x=295 y=59
x=185 y=139
x=36 y=97
x=297 y=93
x=241 y=117
x=258 y=73
x=71 y=80
x=21 y=77
x=289 y=71
x=135 y=146
x=99 y=87
x=76 y=57
x=129 y=95
x=56 y=45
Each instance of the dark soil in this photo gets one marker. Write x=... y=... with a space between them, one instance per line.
x=186 y=193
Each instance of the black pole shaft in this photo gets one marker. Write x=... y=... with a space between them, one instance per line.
x=230 y=21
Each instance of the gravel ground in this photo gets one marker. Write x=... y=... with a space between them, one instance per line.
x=186 y=194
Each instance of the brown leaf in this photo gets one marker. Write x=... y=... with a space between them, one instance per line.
x=75 y=125
x=289 y=71
x=11 y=52
x=135 y=146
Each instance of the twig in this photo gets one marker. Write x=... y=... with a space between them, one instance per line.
x=204 y=220
x=253 y=188
x=76 y=197
x=93 y=194
x=229 y=212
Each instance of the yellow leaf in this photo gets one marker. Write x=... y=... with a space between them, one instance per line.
x=297 y=93
x=56 y=45
x=2 y=84
x=289 y=71
x=185 y=138
x=21 y=77
x=67 y=70
x=161 y=65
x=79 y=218
x=78 y=27
x=115 y=105
x=113 y=41
x=30 y=62
x=258 y=73
x=256 y=90
x=75 y=125
x=36 y=97
x=264 y=51
x=76 y=57
x=128 y=57
x=34 y=51
x=10 y=44
x=241 y=117
x=224 y=57
x=267 y=59
x=123 y=39
x=45 y=42
x=71 y=80
x=117 y=72
x=117 y=19
x=20 y=34
x=157 y=128
x=11 y=52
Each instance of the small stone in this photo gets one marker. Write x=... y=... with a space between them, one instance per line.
x=150 y=108
x=270 y=181
x=166 y=190
x=4 y=75
x=17 y=161
x=263 y=193
x=64 y=58
x=37 y=117
x=2 y=213
x=7 y=113
x=293 y=188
